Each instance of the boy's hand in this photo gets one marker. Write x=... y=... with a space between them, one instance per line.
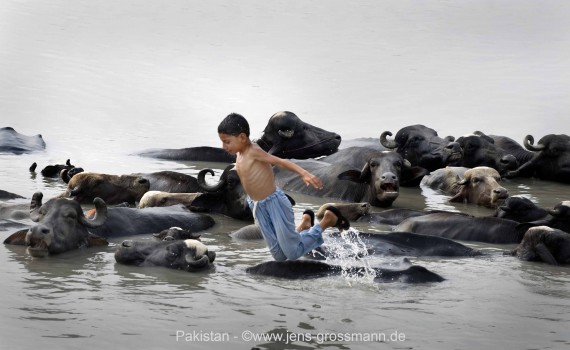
x=313 y=180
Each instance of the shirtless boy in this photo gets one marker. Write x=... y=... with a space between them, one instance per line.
x=271 y=208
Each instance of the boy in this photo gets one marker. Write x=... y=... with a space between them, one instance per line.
x=271 y=208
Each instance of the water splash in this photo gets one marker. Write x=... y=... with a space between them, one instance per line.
x=349 y=251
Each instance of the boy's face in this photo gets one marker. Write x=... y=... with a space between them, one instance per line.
x=233 y=144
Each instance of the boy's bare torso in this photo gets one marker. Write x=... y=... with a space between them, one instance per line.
x=256 y=177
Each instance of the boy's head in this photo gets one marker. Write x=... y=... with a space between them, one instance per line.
x=234 y=124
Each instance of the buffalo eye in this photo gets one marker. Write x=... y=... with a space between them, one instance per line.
x=373 y=164
x=475 y=180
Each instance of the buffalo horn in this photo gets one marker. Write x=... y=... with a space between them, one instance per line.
x=64 y=175
x=528 y=143
x=202 y=181
x=35 y=206
x=385 y=142
x=100 y=214
x=197 y=264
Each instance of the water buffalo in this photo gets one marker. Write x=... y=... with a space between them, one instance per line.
x=305 y=269
x=543 y=243
x=558 y=218
x=480 y=150
x=52 y=170
x=247 y=232
x=287 y=136
x=199 y=153
x=465 y=227
x=124 y=221
x=113 y=189
x=5 y=195
x=510 y=146
x=392 y=216
x=421 y=146
x=377 y=183
x=520 y=209
x=61 y=226
x=226 y=197
x=176 y=233
x=12 y=141
x=187 y=255
x=165 y=199
x=351 y=211
x=67 y=174
x=551 y=160
x=477 y=185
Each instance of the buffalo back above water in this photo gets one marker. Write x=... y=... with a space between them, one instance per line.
x=12 y=141
x=113 y=189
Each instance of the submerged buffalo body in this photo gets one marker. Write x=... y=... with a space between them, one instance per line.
x=551 y=159
x=166 y=199
x=378 y=182
x=61 y=226
x=12 y=141
x=478 y=185
x=199 y=154
x=464 y=227
x=546 y=244
x=421 y=146
x=171 y=181
x=305 y=269
x=187 y=255
x=287 y=136
x=113 y=189
x=520 y=209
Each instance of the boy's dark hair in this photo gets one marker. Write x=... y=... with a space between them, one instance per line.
x=234 y=124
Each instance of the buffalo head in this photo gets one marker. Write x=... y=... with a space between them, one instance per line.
x=480 y=186
x=62 y=226
x=542 y=243
x=287 y=136
x=422 y=146
x=113 y=189
x=481 y=150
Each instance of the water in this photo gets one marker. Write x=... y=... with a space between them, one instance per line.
x=101 y=80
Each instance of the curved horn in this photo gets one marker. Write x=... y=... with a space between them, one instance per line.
x=554 y=212
x=75 y=191
x=197 y=264
x=385 y=142
x=35 y=206
x=208 y=188
x=528 y=144
x=64 y=174
x=100 y=214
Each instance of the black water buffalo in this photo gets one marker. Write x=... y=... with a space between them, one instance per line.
x=247 y=232
x=187 y=255
x=165 y=199
x=287 y=136
x=399 y=244
x=67 y=174
x=5 y=195
x=481 y=150
x=543 y=243
x=124 y=221
x=377 y=183
x=176 y=233
x=477 y=185
x=520 y=209
x=421 y=146
x=61 y=226
x=226 y=197
x=465 y=227
x=199 y=153
x=305 y=269
x=392 y=216
x=171 y=181
x=52 y=170
x=551 y=160
x=559 y=217
x=510 y=146
x=12 y=141
x=113 y=189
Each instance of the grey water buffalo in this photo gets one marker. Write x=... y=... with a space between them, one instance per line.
x=171 y=181
x=247 y=232
x=113 y=189
x=351 y=211
x=187 y=255
x=543 y=243
x=124 y=221
x=287 y=136
x=481 y=150
x=551 y=159
x=478 y=185
x=61 y=226
x=12 y=141
x=308 y=269
x=465 y=227
x=520 y=209
x=421 y=146
x=5 y=195
x=225 y=197
x=378 y=182
x=165 y=199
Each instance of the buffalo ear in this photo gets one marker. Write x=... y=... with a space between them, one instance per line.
x=412 y=176
x=97 y=241
x=206 y=202
x=17 y=238
x=459 y=197
x=351 y=175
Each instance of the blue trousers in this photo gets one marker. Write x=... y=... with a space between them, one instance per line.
x=275 y=218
